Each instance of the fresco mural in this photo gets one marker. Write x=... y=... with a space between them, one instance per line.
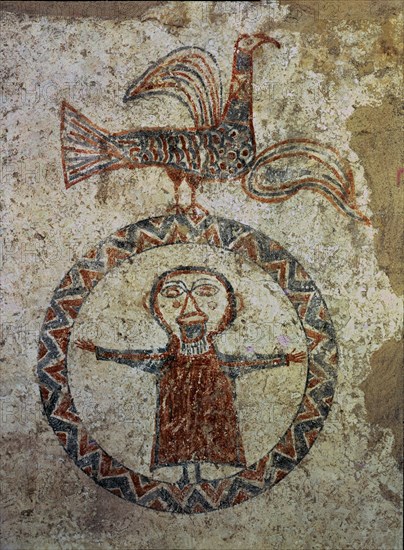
x=200 y=252
x=196 y=419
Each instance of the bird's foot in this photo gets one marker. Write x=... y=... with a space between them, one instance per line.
x=196 y=212
x=177 y=210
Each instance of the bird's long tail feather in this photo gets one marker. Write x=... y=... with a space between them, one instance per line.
x=288 y=167
x=86 y=148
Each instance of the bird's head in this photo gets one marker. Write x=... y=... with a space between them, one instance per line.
x=250 y=42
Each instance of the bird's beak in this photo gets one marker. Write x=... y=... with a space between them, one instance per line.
x=267 y=40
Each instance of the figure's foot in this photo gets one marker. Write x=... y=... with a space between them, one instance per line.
x=184 y=480
x=198 y=477
x=196 y=212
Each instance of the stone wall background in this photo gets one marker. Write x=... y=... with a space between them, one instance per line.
x=337 y=79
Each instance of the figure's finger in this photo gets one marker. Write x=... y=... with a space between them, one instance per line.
x=298 y=357
x=86 y=345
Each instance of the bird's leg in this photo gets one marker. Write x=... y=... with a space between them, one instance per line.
x=177 y=206
x=176 y=177
x=195 y=209
x=193 y=195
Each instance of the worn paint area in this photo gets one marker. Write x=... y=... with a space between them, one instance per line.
x=201 y=269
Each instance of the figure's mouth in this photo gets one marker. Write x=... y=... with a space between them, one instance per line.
x=192 y=326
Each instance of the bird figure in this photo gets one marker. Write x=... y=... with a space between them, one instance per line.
x=220 y=147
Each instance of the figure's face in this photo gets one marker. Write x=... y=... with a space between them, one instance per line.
x=192 y=304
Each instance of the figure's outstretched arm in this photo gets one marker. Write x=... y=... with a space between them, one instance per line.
x=148 y=361
x=236 y=366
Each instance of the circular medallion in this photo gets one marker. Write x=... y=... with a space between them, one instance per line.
x=230 y=386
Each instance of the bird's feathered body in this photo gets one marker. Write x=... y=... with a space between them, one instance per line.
x=222 y=152
x=221 y=144
x=214 y=153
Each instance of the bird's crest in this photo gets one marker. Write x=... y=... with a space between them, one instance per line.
x=192 y=75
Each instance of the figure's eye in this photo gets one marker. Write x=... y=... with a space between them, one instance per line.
x=171 y=291
x=206 y=290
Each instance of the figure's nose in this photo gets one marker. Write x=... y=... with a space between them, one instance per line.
x=190 y=313
x=190 y=305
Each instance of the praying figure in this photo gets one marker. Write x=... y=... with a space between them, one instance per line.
x=196 y=417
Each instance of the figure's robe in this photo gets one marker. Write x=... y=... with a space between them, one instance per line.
x=196 y=419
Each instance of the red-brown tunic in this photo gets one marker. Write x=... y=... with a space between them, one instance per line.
x=196 y=420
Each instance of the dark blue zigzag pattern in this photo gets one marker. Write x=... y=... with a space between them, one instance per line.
x=229 y=232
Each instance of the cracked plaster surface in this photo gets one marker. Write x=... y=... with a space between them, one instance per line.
x=336 y=78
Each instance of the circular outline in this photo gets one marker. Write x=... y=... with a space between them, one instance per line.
x=124 y=245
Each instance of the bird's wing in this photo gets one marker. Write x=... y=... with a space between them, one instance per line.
x=294 y=165
x=192 y=75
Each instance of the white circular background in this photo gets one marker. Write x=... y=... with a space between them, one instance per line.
x=117 y=404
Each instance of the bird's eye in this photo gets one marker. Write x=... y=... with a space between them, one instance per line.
x=171 y=291
x=206 y=290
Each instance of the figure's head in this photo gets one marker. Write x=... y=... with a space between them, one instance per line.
x=250 y=42
x=194 y=303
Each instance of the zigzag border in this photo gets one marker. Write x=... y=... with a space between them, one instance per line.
x=65 y=306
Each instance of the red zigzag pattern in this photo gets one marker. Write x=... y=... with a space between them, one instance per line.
x=53 y=372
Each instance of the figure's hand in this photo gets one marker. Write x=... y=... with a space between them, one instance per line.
x=298 y=357
x=87 y=345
